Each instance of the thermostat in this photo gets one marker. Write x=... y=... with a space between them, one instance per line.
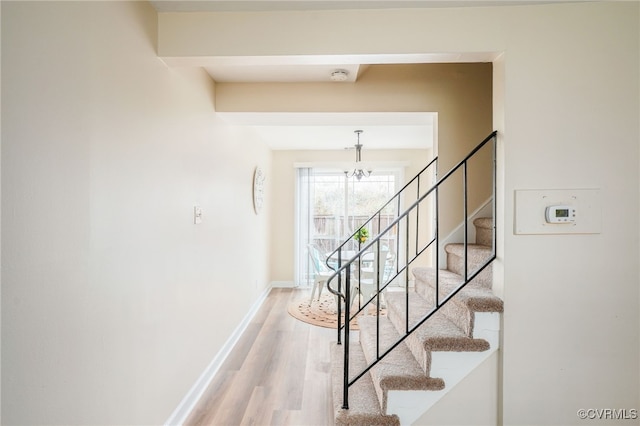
x=560 y=214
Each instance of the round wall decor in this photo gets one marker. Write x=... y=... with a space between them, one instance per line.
x=258 y=189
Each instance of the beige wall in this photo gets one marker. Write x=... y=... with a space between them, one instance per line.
x=461 y=94
x=113 y=301
x=103 y=307
x=567 y=108
x=283 y=207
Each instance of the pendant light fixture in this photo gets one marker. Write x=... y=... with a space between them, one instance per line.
x=358 y=172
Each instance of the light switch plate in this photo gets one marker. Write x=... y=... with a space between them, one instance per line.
x=197 y=215
x=531 y=205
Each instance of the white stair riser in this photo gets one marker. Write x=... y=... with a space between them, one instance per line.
x=452 y=367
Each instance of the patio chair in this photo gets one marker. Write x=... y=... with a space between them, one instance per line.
x=366 y=285
x=321 y=272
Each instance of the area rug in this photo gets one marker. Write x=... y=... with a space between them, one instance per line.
x=323 y=312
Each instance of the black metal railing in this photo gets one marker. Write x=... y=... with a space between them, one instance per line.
x=335 y=259
x=396 y=199
x=405 y=221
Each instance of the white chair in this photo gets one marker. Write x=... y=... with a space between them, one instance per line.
x=366 y=286
x=322 y=273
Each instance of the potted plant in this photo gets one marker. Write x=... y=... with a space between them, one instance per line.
x=361 y=235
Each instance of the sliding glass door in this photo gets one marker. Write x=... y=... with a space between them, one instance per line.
x=331 y=206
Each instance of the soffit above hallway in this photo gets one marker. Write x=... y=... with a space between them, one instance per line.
x=313 y=68
x=328 y=131
x=227 y=66
x=334 y=131
x=317 y=68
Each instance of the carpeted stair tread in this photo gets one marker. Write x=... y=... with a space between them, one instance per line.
x=477 y=255
x=438 y=333
x=458 y=248
x=474 y=251
x=462 y=307
x=399 y=370
x=483 y=222
x=484 y=231
x=364 y=407
x=473 y=296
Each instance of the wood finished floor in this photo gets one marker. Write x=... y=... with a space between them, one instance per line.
x=277 y=374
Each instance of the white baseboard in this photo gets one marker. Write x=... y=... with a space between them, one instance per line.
x=282 y=284
x=192 y=397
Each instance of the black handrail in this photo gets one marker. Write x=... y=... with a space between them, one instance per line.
x=346 y=267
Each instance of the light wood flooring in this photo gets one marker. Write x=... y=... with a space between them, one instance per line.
x=277 y=374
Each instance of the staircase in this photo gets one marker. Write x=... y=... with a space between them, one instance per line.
x=433 y=334
x=461 y=326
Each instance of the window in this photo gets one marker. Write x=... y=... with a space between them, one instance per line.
x=331 y=206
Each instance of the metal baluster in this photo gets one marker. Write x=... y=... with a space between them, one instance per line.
x=495 y=183
x=406 y=271
x=437 y=249
x=417 y=215
x=376 y=266
x=345 y=382
x=339 y=291
x=464 y=221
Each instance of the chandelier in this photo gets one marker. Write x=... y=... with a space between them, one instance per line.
x=358 y=172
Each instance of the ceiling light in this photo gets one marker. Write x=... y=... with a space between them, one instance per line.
x=339 y=75
x=358 y=172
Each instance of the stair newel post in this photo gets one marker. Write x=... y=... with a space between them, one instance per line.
x=345 y=380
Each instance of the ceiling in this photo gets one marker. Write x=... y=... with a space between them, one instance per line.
x=282 y=131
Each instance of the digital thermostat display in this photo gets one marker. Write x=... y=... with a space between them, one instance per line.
x=560 y=214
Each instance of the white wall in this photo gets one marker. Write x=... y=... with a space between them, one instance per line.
x=113 y=302
x=568 y=114
x=571 y=302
